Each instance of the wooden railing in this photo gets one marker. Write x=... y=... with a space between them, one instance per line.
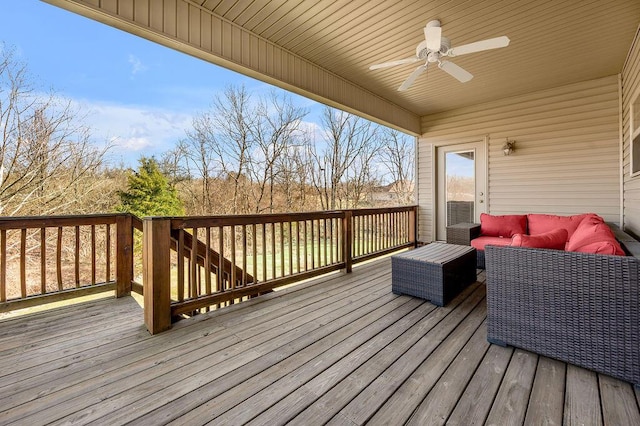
x=46 y=259
x=242 y=256
x=190 y=264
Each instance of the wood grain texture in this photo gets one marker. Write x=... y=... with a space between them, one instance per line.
x=338 y=349
x=476 y=401
x=547 y=396
x=442 y=398
x=515 y=390
x=582 y=398
x=619 y=404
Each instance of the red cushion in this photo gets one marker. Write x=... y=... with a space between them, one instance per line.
x=502 y=226
x=480 y=242
x=594 y=236
x=542 y=223
x=554 y=239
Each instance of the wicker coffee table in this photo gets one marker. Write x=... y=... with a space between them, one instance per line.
x=437 y=272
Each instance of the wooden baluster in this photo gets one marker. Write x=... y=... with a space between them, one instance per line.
x=255 y=252
x=43 y=260
x=290 y=248
x=324 y=225
x=264 y=252
x=3 y=265
x=107 y=271
x=207 y=260
x=232 y=255
x=298 y=246
x=313 y=243
x=331 y=247
x=378 y=233
x=273 y=250
x=347 y=229
x=59 y=258
x=77 y=256
x=368 y=235
x=220 y=283
x=244 y=255
x=23 y=263
x=319 y=242
x=193 y=265
x=306 y=248
x=282 y=264
x=93 y=254
x=180 y=251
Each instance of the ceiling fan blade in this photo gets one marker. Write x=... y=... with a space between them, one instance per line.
x=455 y=71
x=394 y=63
x=412 y=77
x=433 y=35
x=478 y=46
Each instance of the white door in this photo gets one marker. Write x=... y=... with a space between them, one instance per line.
x=461 y=185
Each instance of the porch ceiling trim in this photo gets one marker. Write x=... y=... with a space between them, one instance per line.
x=187 y=27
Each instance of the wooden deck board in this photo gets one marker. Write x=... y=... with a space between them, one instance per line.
x=514 y=392
x=442 y=398
x=547 y=395
x=340 y=349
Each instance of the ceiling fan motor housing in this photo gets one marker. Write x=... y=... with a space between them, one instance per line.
x=423 y=53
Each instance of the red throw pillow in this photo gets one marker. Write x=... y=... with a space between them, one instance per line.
x=541 y=223
x=594 y=236
x=555 y=239
x=502 y=226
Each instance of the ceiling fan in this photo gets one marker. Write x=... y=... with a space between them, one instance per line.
x=434 y=47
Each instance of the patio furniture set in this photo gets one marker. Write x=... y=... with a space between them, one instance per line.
x=566 y=287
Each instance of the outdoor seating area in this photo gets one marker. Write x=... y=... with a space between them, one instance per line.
x=577 y=301
x=341 y=349
x=583 y=233
x=504 y=290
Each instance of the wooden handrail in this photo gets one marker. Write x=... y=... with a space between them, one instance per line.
x=232 y=258
x=70 y=256
x=277 y=249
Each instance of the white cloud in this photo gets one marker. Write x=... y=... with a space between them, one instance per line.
x=135 y=130
x=136 y=65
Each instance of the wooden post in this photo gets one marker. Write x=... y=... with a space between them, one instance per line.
x=156 y=254
x=347 y=235
x=413 y=226
x=124 y=255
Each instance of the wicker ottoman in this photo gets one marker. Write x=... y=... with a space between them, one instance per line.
x=436 y=272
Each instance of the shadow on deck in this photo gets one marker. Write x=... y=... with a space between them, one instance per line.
x=341 y=349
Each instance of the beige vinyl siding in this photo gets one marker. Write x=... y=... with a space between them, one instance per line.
x=630 y=83
x=186 y=27
x=424 y=190
x=567 y=154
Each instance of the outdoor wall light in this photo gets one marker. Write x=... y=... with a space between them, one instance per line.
x=508 y=147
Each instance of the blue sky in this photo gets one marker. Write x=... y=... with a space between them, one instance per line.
x=139 y=95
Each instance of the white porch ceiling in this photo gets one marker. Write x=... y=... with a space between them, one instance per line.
x=553 y=43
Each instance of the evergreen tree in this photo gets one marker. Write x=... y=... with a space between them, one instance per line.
x=149 y=193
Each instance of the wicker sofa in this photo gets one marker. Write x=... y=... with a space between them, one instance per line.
x=577 y=307
x=583 y=232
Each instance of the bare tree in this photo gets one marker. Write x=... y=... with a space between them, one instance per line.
x=276 y=132
x=295 y=175
x=218 y=150
x=47 y=161
x=350 y=142
x=397 y=158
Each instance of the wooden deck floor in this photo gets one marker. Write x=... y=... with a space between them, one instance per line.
x=338 y=350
